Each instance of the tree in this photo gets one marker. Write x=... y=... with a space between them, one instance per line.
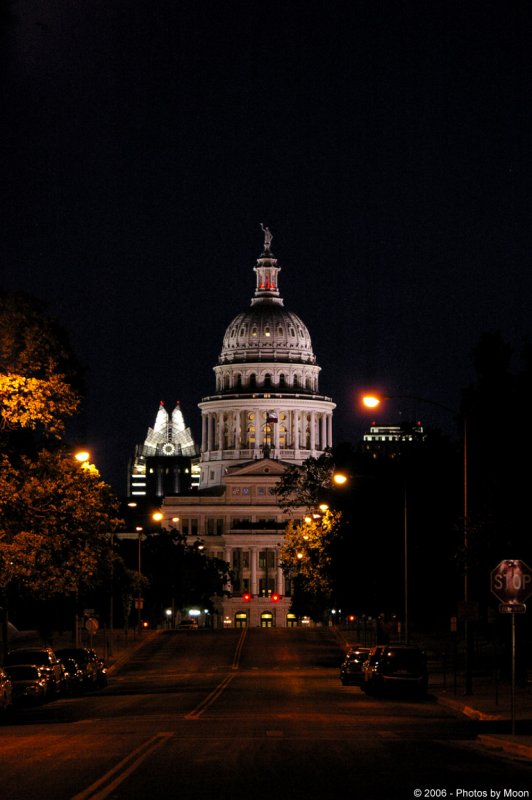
x=55 y=516
x=304 y=485
x=55 y=522
x=307 y=559
x=180 y=573
x=40 y=381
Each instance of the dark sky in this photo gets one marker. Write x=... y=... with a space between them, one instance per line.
x=386 y=144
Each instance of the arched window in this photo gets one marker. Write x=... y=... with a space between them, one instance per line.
x=251 y=435
x=267 y=380
x=282 y=380
x=252 y=381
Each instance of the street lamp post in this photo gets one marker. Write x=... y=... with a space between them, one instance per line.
x=139 y=570
x=373 y=401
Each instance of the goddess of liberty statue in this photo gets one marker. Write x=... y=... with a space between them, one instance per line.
x=267 y=237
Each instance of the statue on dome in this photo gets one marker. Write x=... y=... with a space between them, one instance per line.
x=267 y=237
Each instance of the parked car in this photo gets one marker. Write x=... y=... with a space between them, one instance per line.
x=93 y=667
x=43 y=657
x=188 y=625
x=396 y=668
x=351 y=667
x=30 y=683
x=6 y=692
x=74 y=675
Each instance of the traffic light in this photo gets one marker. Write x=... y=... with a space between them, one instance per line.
x=276 y=598
x=246 y=597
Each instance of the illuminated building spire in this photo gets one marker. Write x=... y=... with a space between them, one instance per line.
x=266 y=269
x=161 y=420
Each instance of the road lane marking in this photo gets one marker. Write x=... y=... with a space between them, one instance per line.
x=215 y=694
x=210 y=699
x=238 y=651
x=101 y=788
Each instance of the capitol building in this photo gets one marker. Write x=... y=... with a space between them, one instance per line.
x=266 y=413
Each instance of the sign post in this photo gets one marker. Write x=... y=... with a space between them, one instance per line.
x=511 y=583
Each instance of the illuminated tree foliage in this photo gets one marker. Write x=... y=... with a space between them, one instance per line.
x=55 y=515
x=54 y=524
x=35 y=402
x=39 y=379
x=307 y=556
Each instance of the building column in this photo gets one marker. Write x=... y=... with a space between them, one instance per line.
x=276 y=429
x=203 y=432
x=258 y=430
x=295 y=429
x=238 y=427
x=323 y=427
x=329 y=430
x=254 y=558
x=220 y=423
x=312 y=430
x=280 y=579
x=209 y=431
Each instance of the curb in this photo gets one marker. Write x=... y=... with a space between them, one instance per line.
x=467 y=710
x=515 y=748
x=510 y=745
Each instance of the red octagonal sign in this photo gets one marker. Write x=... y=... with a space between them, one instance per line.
x=511 y=581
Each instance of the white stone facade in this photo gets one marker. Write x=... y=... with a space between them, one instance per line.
x=266 y=413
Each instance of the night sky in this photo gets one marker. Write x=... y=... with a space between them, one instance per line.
x=387 y=145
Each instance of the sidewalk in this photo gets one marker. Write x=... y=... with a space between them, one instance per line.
x=492 y=703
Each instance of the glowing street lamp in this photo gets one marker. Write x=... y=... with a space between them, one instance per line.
x=339 y=478
x=371 y=401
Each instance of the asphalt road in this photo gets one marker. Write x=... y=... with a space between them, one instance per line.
x=246 y=715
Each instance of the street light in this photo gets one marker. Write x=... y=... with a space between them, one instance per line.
x=373 y=401
x=339 y=478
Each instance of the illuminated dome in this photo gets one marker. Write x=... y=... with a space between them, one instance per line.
x=267 y=401
x=267 y=331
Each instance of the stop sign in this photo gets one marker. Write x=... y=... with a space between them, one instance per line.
x=511 y=581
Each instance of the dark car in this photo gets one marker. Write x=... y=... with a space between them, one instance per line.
x=351 y=668
x=396 y=668
x=74 y=675
x=93 y=667
x=30 y=683
x=6 y=692
x=43 y=657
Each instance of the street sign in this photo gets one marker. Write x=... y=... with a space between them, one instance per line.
x=512 y=608
x=511 y=582
x=91 y=625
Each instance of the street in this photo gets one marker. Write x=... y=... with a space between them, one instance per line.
x=250 y=713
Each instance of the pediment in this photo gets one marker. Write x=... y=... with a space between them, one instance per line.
x=262 y=467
